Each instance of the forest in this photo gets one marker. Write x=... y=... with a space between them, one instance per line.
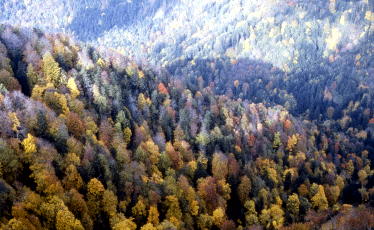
x=91 y=139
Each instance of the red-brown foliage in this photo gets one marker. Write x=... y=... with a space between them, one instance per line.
x=162 y=88
x=234 y=167
x=315 y=218
x=76 y=203
x=154 y=198
x=75 y=124
x=228 y=224
x=360 y=218
x=299 y=226
x=106 y=132
x=173 y=155
x=139 y=135
x=208 y=191
x=287 y=124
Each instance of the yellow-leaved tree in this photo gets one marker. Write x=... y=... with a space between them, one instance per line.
x=141 y=101
x=51 y=70
x=153 y=216
x=293 y=206
x=110 y=202
x=219 y=217
x=15 y=122
x=139 y=210
x=205 y=222
x=65 y=220
x=251 y=216
x=319 y=200
x=174 y=212
x=148 y=226
x=124 y=223
x=94 y=197
x=72 y=178
x=72 y=86
x=220 y=166
x=273 y=217
x=29 y=146
x=127 y=134
x=153 y=151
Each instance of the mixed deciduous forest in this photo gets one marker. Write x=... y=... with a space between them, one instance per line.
x=93 y=137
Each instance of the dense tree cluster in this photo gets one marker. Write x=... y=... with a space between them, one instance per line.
x=89 y=139
x=295 y=53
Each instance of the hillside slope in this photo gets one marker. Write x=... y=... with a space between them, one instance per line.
x=153 y=124
x=91 y=140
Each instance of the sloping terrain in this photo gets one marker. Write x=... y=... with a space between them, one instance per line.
x=155 y=126
x=304 y=56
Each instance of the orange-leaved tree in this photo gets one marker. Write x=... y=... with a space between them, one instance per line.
x=162 y=88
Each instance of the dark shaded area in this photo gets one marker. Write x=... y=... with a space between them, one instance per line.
x=232 y=204
x=351 y=195
x=21 y=76
x=7 y=195
x=25 y=177
x=18 y=66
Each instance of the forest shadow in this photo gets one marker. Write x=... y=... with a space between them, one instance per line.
x=305 y=92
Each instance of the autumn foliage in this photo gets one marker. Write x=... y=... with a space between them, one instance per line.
x=162 y=88
x=75 y=124
x=119 y=150
x=8 y=81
